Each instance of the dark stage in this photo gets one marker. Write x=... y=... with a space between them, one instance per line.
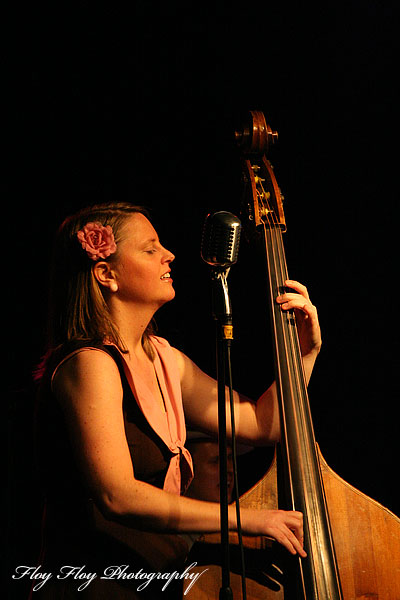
x=106 y=105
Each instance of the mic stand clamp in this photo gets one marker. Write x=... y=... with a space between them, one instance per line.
x=224 y=335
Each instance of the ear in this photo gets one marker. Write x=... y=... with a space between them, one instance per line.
x=105 y=276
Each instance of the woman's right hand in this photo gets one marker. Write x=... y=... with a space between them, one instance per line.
x=286 y=527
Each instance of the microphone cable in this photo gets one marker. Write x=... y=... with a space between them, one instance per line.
x=235 y=476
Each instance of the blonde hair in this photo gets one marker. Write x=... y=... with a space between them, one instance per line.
x=78 y=310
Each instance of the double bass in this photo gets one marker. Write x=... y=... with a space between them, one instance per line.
x=352 y=541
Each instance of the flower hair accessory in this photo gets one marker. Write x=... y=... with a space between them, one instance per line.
x=97 y=240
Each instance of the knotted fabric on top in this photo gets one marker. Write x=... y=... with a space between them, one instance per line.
x=169 y=425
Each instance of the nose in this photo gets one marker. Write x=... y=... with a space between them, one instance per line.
x=168 y=256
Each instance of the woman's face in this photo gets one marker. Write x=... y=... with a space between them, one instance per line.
x=143 y=267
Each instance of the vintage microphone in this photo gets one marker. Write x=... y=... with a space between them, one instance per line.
x=220 y=241
x=219 y=249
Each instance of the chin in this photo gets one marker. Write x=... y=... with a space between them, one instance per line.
x=165 y=300
x=171 y=295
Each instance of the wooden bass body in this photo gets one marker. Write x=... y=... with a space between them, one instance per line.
x=366 y=537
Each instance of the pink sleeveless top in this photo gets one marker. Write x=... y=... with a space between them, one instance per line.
x=169 y=425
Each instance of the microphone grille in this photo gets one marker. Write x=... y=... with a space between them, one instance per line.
x=220 y=240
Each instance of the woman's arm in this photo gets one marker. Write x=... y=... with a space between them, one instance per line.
x=255 y=423
x=88 y=387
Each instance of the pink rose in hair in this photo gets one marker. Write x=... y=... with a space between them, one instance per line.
x=97 y=240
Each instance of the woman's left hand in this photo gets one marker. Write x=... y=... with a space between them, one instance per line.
x=306 y=317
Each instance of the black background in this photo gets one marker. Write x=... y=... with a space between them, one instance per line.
x=110 y=104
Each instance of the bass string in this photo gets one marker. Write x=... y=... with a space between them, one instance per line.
x=286 y=318
x=285 y=323
x=277 y=277
x=294 y=344
x=307 y=459
x=304 y=409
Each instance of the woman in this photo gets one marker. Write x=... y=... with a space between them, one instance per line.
x=112 y=410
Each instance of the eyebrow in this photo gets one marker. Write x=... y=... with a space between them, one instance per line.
x=150 y=241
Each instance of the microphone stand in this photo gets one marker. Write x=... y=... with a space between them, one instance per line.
x=223 y=316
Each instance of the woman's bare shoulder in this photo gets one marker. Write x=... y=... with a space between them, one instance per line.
x=85 y=371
